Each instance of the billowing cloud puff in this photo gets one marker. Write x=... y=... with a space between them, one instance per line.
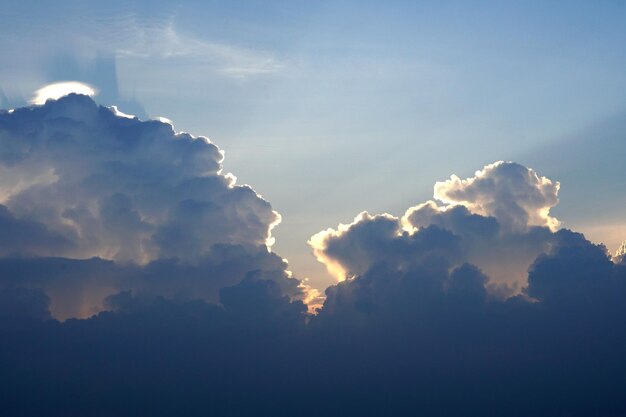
x=121 y=188
x=620 y=254
x=355 y=248
x=81 y=181
x=498 y=221
x=515 y=195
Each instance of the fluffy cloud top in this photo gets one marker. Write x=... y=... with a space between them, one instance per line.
x=79 y=181
x=498 y=220
x=515 y=195
x=120 y=188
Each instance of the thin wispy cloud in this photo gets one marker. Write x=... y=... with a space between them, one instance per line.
x=165 y=41
x=148 y=43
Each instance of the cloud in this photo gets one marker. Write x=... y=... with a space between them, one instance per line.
x=23 y=236
x=57 y=90
x=399 y=341
x=498 y=220
x=515 y=195
x=121 y=188
x=354 y=248
x=163 y=40
x=475 y=305
x=81 y=181
x=17 y=304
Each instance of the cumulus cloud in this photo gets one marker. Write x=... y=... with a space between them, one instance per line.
x=354 y=248
x=82 y=181
x=499 y=221
x=121 y=188
x=515 y=195
x=472 y=305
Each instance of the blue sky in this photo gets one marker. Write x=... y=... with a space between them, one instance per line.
x=331 y=108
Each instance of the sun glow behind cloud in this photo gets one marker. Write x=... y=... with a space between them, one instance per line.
x=57 y=90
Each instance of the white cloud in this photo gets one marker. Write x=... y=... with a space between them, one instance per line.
x=57 y=90
x=78 y=181
x=164 y=41
x=498 y=221
x=124 y=189
x=512 y=193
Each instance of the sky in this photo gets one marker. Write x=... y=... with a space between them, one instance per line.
x=363 y=207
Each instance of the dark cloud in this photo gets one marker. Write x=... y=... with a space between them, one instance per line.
x=476 y=306
x=426 y=340
x=77 y=287
x=18 y=304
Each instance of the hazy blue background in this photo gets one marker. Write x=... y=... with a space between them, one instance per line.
x=330 y=108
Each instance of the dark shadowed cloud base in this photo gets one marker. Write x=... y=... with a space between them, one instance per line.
x=473 y=304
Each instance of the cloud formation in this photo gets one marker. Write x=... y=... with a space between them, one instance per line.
x=57 y=90
x=476 y=305
x=426 y=339
x=498 y=220
x=124 y=189
x=81 y=181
